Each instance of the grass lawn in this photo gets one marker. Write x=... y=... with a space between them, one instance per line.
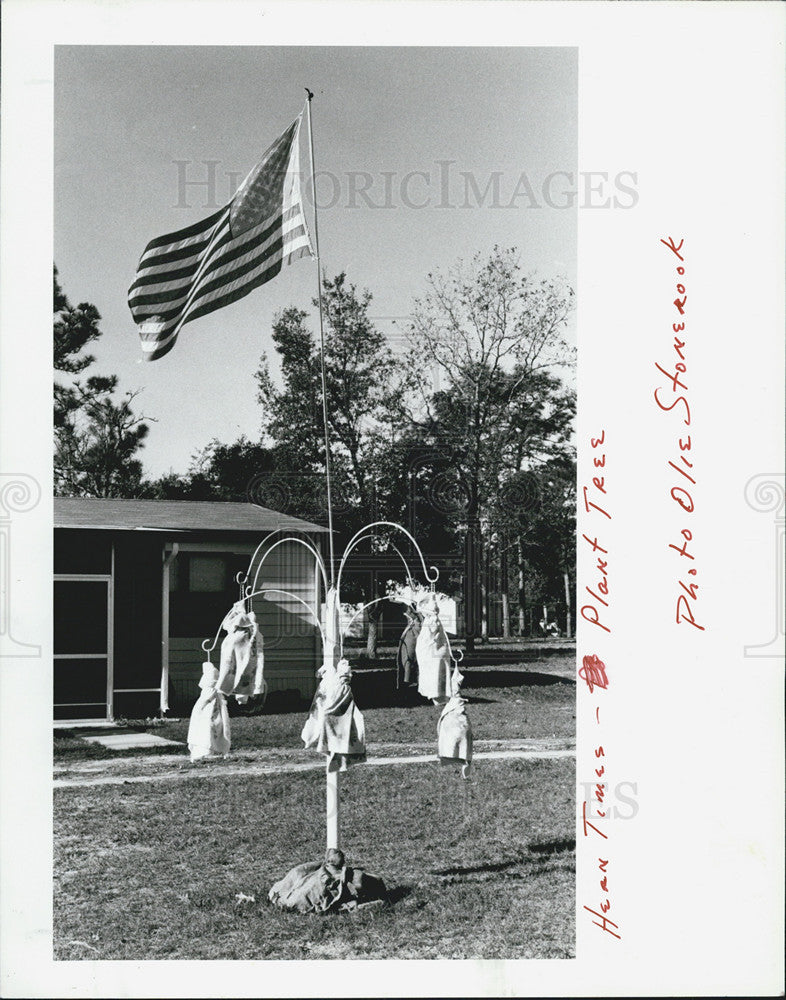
x=478 y=869
x=520 y=701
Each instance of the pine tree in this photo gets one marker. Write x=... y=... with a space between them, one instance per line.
x=96 y=437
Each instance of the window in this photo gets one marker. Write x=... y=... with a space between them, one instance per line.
x=202 y=589
x=199 y=573
x=207 y=574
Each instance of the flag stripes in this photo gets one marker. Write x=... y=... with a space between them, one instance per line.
x=195 y=271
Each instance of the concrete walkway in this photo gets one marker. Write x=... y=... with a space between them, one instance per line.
x=130 y=741
x=272 y=762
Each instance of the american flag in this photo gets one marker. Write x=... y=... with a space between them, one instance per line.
x=193 y=272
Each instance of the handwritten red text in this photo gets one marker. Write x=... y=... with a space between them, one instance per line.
x=593 y=673
x=596 y=505
x=672 y=396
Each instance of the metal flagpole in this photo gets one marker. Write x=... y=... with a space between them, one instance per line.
x=321 y=340
x=331 y=777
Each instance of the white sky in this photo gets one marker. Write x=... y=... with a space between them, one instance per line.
x=124 y=116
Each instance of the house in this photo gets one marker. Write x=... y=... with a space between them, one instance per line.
x=139 y=585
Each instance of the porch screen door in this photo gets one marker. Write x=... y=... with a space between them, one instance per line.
x=82 y=648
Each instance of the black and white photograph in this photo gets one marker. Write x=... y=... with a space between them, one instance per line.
x=330 y=520
x=392 y=498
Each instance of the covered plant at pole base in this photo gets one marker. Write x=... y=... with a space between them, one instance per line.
x=326 y=887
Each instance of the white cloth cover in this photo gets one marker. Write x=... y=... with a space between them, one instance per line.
x=454 y=732
x=208 y=728
x=335 y=725
x=242 y=656
x=432 y=653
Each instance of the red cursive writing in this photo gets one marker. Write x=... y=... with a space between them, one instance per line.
x=594 y=673
x=673 y=396
x=604 y=922
x=594 y=612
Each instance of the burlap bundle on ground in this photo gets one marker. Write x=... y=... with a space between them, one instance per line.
x=326 y=887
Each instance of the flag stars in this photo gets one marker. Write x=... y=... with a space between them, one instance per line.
x=202 y=268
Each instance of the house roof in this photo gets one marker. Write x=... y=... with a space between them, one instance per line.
x=173 y=515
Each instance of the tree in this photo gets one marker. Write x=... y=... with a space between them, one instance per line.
x=96 y=438
x=485 y=344
x=537 y=444
x=95 y=448
x=74 y=327
x=432 y=438
x=358 y=369
x=535 y=518
x=292 y=416
x=229 y=471
x=554 y=549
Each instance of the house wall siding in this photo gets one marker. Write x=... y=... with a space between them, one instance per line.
x=292 y=642
x=291 y=638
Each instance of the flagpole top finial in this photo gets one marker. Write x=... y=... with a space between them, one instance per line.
x=309 y=92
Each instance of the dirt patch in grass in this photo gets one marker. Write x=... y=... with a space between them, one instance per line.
x=479 y=869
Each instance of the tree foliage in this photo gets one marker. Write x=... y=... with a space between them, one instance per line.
x=466 y=438
x=96 y=437
x=486 y=347
x=358 y=370
x=74 y=328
